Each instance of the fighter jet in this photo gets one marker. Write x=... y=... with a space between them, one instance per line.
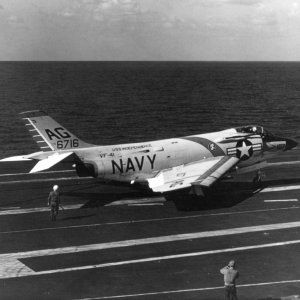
x=193 y=162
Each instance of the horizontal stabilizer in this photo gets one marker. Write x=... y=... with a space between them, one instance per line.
x=49 y=162
x=33 y=156
x=15 y=158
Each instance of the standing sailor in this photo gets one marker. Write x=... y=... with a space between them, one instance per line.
x=230 y=275
x=53 y=202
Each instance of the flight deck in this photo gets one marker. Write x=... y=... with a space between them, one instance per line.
x=117 y=242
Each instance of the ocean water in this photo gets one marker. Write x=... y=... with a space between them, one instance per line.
x=121 y=102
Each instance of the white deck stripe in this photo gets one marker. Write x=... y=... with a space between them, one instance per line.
x=30 y=174
x=11 y=267
x=146 y=204
x=284 y=163
x=149 y=220
x=282 y=200
x=280 y=188
x=8 y=210
x=45 y=180
x=153 y=240
x=191 y=290
x=144 y=201
x=36 y=209
x=10 y=207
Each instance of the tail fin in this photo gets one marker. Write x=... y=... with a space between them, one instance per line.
x=48 y=134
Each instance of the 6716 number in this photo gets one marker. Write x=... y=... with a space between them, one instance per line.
x=63 y=144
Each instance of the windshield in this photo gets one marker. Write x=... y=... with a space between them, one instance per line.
x=268 y=136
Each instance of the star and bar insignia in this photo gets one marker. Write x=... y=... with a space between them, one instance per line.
x=244 y=149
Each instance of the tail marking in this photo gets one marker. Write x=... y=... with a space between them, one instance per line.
x=50 y=135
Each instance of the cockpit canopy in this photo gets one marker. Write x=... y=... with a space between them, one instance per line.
x=255 y=129
x=252 y=129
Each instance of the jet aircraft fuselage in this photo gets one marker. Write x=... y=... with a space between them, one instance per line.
x=139 y=161
x=165 y=165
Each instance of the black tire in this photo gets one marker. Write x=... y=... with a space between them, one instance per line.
x=257 y=181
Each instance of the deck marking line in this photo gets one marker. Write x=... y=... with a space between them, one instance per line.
x=148 y=220
x=141 y=201
x=10 y=269
x=137 y=201
x=280 y=188
x=190 y=290
x=36 y=209
x=45 y=180
x=284 y=163
x=152 y=240
x=282 y=200
x=146 y=204
x=10 y=207
x=30 y=174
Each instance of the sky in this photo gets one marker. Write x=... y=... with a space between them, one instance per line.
x=205 y=30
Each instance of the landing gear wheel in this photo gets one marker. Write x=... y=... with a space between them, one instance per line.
x=257 y=180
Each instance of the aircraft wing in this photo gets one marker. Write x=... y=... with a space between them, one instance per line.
x=200 y=173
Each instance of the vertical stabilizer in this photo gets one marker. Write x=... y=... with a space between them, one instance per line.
x=48 y=134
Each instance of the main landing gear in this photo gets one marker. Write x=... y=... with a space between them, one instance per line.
x=257 y=180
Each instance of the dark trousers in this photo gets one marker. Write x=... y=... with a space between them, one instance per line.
x=53 y=211
x=230 y=292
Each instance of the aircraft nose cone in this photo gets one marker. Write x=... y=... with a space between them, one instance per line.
x=290 y=144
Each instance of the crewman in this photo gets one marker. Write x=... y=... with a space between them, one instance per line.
x=54 y=202
x=230 y=275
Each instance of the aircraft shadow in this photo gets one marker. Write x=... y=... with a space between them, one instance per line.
x=102 y=199
x=271 y=298
x=78 y=217
x=223 y=195
x=268 y=183
x=212 y=201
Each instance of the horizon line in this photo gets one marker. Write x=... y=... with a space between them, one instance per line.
x=201 y=61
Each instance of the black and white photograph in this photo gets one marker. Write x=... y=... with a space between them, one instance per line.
x=149 y=149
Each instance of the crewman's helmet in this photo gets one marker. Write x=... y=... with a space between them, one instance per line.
x=55 y=188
